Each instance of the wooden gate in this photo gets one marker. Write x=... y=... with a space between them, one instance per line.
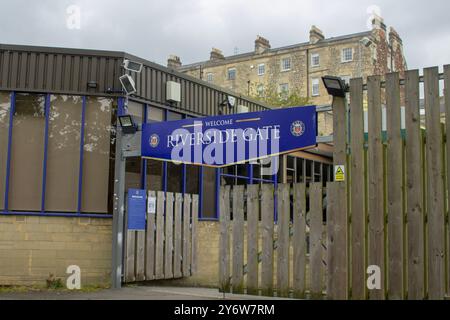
x=167 y=249
x=391 y=212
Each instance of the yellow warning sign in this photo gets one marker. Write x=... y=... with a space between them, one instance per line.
x=339 y=173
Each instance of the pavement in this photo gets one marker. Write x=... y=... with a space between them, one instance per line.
x=132 y=293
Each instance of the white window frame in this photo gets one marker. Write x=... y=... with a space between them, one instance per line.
x=283 y=64
x=346 y=79
x=210 y=77
x=343 y=55
x=228 y=73
x=313 y=56
x=263 y=66
x=315 y=85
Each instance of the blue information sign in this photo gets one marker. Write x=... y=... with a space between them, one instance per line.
x=230 y=139
x=136 y=209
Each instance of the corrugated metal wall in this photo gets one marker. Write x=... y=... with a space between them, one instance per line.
x=68 y=71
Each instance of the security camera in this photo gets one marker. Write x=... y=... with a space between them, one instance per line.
x=132 y=66
x=127 y=84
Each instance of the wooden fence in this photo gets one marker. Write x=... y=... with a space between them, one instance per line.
x=167 y=249
x=390 y=212
x=276 y=254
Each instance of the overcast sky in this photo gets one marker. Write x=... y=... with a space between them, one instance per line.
x=153 y=29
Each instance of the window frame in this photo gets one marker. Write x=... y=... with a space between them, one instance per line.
x=343 y=55
x=313 y=56
x=315 y=83
x=283 y=64
x=234 y=71
x=263 y=66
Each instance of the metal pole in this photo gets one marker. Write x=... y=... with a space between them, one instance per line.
x=118 y=213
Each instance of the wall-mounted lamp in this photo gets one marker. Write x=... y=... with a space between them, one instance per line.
x=335 y=86
x=127 y=124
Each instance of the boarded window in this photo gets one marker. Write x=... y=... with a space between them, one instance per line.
x=27 y=153
x=5 y=104
x=97 y=140
x=63 y=155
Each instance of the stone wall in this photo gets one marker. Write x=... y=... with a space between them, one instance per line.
x=32 y=248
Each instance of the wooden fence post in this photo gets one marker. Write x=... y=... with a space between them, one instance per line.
x=337 y=251
x=376 y=193
x=168 y=239
x=150 y=244
x=224 y=247
x=357 y=197
x=316 y=234
x=394 y=188
x=299 y=240
x=252 y=238
x=435 y=192
x=237 y=279
x=159 y=257
x=267 y=209
x=414 y=185
x=283 y=240
x=447 y=123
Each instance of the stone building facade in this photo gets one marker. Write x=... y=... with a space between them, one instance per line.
x=298 y=68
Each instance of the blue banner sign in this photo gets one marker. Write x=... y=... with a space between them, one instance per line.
x=137 y=208
x=230 y=139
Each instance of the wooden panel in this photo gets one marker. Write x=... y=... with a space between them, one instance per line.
x=168 y=239
x=177 y=237
x=337 y=251
x=299 y=240
x=252 y=238
x=316 y=232
x=150 y=244
x=140 y=255
x=375 y=176
x=447 y=130
x=414 y=189
x=159 y=256
x=435 y=192
x=267 y=212
x=238 y=240
x=224 y=246
x=187 y=236
x=394 y=188
x=130 y=256
x=337 y=284
x=283 y=240
x=357 y=203
x=194 y=242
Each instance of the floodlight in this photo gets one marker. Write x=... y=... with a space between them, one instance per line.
x=127 y=124
x=127 y=84
x=231 y=102
x=132 y=66
x=335 y=86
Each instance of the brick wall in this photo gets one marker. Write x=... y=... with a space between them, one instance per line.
x=32 y=248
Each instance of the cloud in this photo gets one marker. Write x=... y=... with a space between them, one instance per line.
x=190 y=28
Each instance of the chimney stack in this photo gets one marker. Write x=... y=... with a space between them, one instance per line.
x=378 y=23
x=174 y=62
x=216 y=54
x=261 y=45
x=315 y=35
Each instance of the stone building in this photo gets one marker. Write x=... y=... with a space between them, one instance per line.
x=298 y=68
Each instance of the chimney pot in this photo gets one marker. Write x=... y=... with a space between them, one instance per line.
x=261 y=45
x=173 y=62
